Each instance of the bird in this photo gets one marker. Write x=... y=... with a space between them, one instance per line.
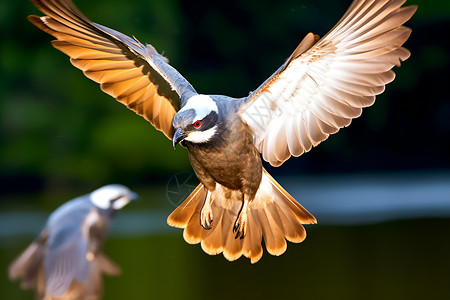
x=66 y=261
x=320 y=88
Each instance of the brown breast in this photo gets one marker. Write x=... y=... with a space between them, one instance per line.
x=229 y=158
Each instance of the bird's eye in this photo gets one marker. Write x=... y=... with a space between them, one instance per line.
x=197 y=124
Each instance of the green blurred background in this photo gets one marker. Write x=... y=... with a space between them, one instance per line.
x=60 y=137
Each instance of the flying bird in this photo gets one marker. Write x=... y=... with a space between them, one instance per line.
x=319 y=89
x=65 y=261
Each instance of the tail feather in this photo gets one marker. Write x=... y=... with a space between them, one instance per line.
x=212 y=244
x=183 y=213
x=252 y=247
x=293 y=229
x=213 y=241
x=256 y=238
x=273 y=216
x=302 y=214
x=272 y=233
x=194 y=231
x=232 y=247
x=106 y=265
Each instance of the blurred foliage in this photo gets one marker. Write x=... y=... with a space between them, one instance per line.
x=58 y=129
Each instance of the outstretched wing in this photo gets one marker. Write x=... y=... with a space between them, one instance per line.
x=325 y=83
x=29 y=263
x=133 y=73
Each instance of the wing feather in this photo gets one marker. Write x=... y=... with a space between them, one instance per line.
x=102 y=64
x=325 y=83
x=293 y=145
x=302 y=132
x=315 y=129
x=133 y=73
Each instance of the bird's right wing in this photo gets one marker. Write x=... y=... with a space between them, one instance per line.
x=65 y=259
x=69 y=260
x=133 y=73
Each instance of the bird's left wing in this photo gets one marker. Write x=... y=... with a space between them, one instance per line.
x=133 y=73
x=28 y=264
x=325 y=83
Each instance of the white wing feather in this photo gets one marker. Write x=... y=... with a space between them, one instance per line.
x=322 y=88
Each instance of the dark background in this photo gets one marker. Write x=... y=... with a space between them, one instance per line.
x=60 y=136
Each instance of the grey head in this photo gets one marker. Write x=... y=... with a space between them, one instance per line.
x=201 y=119
x=112 y=197
x=108 y=198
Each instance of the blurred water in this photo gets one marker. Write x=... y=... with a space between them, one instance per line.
x=372 y=198
x=394 y=245
x=334 y=200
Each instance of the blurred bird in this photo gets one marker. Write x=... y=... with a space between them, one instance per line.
x=65 y=261
x=320 y=88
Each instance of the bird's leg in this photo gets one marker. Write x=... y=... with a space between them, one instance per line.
x=206 y=215
x=240 y=227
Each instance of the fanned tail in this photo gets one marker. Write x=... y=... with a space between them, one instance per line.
x=273 y=214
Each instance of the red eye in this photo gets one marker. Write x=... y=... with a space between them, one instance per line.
x=197 y=124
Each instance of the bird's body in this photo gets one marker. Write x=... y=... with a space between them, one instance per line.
x=230 y=159
x=321 y=87
x=232 y=194
x=231 y=162
x=66 y=261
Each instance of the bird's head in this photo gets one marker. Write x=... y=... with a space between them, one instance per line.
x=196 y=121
x=113 y=196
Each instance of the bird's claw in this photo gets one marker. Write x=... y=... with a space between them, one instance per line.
x=206 y=215
x=206 y=219
x=240 y=227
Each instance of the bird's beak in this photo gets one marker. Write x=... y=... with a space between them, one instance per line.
x=124 y=200
x=178 y=136
x=134 y=196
